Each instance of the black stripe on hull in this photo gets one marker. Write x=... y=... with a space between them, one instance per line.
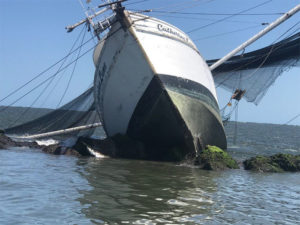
x=171 y=114
x=157 y=123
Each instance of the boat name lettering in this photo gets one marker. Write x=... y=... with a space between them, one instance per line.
x=169 y=30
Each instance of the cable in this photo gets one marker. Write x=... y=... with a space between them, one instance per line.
x=41 y=83
x=236 y=124
x=49 y=83
x=79 y=51
x=225 y=33
x=61 y=118
x=291 y=120
x=205 y=19
x=263 y=56
x=217 y=14
x=41 y=73
x=225 y=18
x=133 y=3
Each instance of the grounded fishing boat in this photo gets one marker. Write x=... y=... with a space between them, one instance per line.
x=152 y=84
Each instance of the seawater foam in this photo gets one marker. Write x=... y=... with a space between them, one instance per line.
x=47 y=142
x=96 y=154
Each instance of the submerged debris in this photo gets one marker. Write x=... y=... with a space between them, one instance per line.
x=214 y=158
x=275 y=163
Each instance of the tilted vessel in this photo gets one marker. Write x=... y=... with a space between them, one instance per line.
x=152 y=84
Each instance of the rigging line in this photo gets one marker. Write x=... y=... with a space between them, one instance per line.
x=225 y=33
x=44 y=90
x=132 y=3
x=59 y=69
x=236 y=124
x=27 y=109
x=95 y=43
x=74 y=66
x=281 y=36
x=288 y=30
x=225 y=18
x=41 y=83
x=53 y=88
x=41 y=73
x=205 y=19
x=217 y=14
x=270 y=52
x=93 y=36
x=174 y=5
x=291 y=120
x=61 y=118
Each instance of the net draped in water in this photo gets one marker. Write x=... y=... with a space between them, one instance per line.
x=254 y=72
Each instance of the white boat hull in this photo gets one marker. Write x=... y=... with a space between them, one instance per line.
x=152 y=84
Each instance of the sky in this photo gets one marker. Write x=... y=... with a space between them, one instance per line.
x=33 y=37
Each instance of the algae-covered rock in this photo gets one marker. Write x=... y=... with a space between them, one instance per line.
x=214 y=158
x=275 y=163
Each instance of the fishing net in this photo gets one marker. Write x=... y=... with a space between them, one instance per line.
x=80 y=111
x=256 y=71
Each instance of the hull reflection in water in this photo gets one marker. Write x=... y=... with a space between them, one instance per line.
x=138 y=192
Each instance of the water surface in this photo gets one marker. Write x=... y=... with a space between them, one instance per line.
x=37 y=188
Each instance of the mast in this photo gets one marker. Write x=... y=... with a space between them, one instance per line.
x=277 y=22
x=101 y=25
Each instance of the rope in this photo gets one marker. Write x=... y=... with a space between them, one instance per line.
x=22 y=114
x=225 y=33
x=74 y=66
x=41 y=73
x=235 y=125
x=262 y=56
x=62 y=118
x=217 y=14
x=199 y=18
x=225 y=18
x=41 y=83
x=291 y=120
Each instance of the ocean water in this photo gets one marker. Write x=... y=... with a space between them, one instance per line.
x=37 y=188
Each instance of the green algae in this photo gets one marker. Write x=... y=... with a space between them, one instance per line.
x=275 y=163
x=214 y=158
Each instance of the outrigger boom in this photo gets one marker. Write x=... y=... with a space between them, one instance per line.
x=59 y=132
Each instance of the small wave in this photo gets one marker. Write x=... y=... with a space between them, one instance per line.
x=96 y=154
x=47 y=142
x=233 y=147
x=176 y=202
x=291 y=150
